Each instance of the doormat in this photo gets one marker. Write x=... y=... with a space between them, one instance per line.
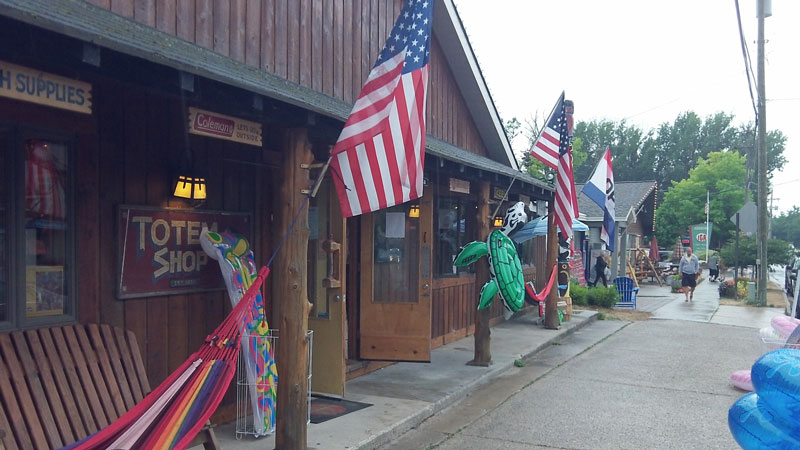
x=325 y=408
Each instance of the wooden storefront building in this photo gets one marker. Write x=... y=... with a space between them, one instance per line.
x=102 y=98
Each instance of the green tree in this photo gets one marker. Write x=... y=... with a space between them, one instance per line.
x=787 y=226
x=723 y=175
x=625 y=141
x=777 y=249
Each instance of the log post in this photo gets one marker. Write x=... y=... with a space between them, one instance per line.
x=290 y=292
x=551 y=305
x=483 y=351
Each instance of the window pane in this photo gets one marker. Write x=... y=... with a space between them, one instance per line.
x=3 y=234
x=320 y=263
x=396 y=255
x=455 y=227
x=45 y=231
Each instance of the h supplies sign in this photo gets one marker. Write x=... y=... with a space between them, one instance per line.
x=29 y=85
x=160 y=252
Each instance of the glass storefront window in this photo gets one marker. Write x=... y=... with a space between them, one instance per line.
x=396 y=255
x=46 y=227
x=455 y=227
x=3 y=233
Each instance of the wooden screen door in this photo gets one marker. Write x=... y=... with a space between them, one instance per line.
x=326 y=288
x=395 y=303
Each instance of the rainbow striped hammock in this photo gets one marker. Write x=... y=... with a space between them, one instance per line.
x=171 y=415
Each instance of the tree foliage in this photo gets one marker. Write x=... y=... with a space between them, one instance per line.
x=665 y=154
x=787 y=226
x=777 y=250
x=722 y=174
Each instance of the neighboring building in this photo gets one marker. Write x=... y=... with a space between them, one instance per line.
x=634 y=208
x=94 y=101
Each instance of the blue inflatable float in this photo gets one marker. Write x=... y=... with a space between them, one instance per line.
x=769 y=418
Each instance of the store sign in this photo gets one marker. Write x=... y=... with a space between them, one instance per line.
x=207 y=123
x=160 y=251
x=700 y=235
x=29 y=85
x=499 y=193
x=457 y=185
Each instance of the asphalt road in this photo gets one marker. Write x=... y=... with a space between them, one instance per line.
x=655 y=384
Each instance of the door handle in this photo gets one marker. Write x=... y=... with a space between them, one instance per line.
x=425 y=286
x=334 y=278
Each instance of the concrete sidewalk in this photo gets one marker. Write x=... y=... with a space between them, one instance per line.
x=405 y=394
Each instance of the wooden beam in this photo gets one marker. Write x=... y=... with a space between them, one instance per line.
x=290 y=291
x=483 y=351
x=551 y=305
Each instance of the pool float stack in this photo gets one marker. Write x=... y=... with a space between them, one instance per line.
x=770 y=416
x=782 y=332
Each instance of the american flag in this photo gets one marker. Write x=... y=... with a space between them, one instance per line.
x=44 y=188
x=546 y=147
x=378 y=159
x=556 y=131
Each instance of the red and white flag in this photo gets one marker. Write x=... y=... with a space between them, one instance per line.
x=378 y=159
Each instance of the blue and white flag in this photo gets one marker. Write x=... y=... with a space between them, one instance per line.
x=600 y=189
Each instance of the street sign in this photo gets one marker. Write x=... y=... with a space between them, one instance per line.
x=748 y=218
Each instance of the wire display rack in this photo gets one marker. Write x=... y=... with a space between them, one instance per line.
x=245 y=385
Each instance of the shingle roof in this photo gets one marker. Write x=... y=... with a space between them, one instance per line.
x=628 y=194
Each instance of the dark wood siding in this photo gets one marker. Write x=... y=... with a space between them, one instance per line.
x=126 y=152
x=325 y=45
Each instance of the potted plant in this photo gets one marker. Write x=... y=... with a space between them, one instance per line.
x=676 y=283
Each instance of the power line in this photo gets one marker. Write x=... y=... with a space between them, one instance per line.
x=747 y=64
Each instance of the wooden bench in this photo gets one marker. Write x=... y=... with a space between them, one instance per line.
x=61 y=384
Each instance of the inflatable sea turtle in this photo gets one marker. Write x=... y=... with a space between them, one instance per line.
x=504 y=264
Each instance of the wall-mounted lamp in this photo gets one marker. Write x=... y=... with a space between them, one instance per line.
x=414 y=212
x=190 y=187
x=498 y=221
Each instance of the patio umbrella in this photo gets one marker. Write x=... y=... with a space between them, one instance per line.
x=538 y=227
x=654 y=249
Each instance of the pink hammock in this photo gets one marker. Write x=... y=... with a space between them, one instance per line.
x=171 y=415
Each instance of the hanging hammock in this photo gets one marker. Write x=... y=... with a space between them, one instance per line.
x=171 y=415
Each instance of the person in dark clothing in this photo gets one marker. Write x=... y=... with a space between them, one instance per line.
x=600 y=270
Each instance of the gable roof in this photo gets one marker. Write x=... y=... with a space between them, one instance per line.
x=627 y=195
x=82 y=20
x=449 y=29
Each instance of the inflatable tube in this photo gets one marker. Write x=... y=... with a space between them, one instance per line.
x=754 y=426
x=776 y=379
x=741 y=380
x=784 y=325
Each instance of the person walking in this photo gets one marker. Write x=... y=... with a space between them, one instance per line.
x=600 y=270
x=713 y=268
x=688 y=270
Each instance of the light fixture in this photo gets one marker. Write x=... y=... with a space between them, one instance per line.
x=414 y=212
x=498 y=221
x=190 y=187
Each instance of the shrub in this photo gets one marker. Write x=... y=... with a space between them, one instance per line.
x=605 y=297
x=579 y=294
x=726 y=289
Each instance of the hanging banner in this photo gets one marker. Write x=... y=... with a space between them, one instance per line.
x=35 y=86
x=576 y=269
x=700 y=235
x=220 y=126
x=160 y=252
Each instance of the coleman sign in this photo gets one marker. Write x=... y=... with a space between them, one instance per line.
x=220 y=126
x=160 y=253
x=34 y=86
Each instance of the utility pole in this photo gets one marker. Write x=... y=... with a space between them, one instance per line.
x=764 y=10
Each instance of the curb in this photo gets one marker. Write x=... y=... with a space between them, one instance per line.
x=400 y=428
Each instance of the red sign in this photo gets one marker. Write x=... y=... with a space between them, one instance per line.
x=160 y=253
x=207 y=123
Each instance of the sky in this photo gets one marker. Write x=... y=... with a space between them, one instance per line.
x=642 y=61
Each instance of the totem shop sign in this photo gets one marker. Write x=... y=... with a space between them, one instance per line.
x=29 y=85
x=220 y=126
x=160 y=252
